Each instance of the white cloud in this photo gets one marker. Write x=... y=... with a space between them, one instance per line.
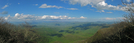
x=54 y=6
x=18 y=3
x=128 y=0
x=72 y=8
x=83 y=17
x=6 y=18
x=98 y=4
x=83 y=2
x=50 y=6
x=44 y=17
x=127 y=7
x=104 y=6
x=4 y=7
x=17 y=15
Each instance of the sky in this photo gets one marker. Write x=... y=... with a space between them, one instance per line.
x=62 y=10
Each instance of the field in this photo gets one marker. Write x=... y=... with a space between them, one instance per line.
x=68 y=32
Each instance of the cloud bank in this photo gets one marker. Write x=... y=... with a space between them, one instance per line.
x=50 y=6
x=44 y=17
x=54 y=6
x=98 y=4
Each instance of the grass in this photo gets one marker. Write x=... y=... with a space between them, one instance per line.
x=68 y=37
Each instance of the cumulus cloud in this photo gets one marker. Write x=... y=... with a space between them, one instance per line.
x=44 y=17
x=127 y=7
x=83 y=2
x=83 y=17
x=50 y=6
x=72 y=8
x=4 y=12
x=4 y=7
x=6 y=18
x=98 y=4
x=104 y=6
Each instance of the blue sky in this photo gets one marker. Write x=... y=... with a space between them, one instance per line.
x=61 y=10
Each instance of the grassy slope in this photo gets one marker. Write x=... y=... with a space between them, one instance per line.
x=119 y=33
x=68 y=37
x=76 y=37
x=99 y=35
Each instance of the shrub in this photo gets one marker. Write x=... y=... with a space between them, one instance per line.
x=14 y=34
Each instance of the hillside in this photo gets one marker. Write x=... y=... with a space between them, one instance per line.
x=121 y=32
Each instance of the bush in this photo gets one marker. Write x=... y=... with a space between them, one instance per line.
x=14 y=34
